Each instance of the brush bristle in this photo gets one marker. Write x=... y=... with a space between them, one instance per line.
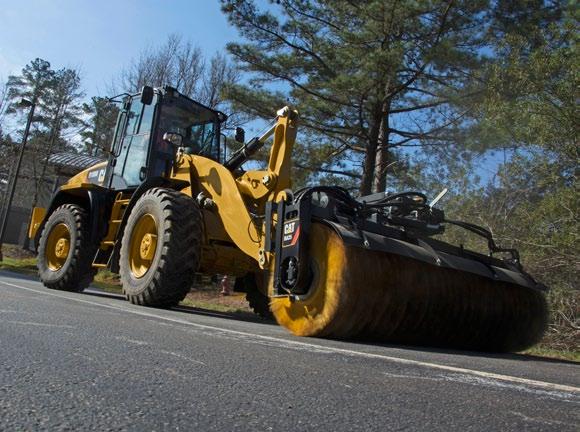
x=372 y=295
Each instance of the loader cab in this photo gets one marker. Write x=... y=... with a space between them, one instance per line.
x=139 y=150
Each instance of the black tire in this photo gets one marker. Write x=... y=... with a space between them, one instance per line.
x=172 y=268
x=258 y=301
x=76 y=272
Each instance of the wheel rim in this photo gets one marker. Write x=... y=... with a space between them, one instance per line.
x=57 y=247
x=143 y=245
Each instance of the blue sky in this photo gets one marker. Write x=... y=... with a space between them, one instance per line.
x=100 y=36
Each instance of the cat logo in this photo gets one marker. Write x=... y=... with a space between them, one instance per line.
x=96 y=176
x=291 y=233
x=289 y=228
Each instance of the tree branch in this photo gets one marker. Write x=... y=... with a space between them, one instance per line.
x=329 y=171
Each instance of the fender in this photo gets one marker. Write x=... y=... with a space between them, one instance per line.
x=94 y=199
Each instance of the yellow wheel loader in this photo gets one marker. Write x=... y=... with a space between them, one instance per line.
x=168 y=204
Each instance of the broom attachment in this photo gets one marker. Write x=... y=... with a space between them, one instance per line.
x=392 y=258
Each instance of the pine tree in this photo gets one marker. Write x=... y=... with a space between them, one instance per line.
x=62 y=108
x=57 y=96
x=370 y=78
x=530 y=111
x=99 y=128
x=33 y=84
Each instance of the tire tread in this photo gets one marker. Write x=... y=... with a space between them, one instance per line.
x=79 y=273
x=180 y=253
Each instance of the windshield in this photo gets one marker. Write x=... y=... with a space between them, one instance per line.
x=195 y=123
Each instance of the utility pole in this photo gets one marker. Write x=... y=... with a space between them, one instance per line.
x=32 y=105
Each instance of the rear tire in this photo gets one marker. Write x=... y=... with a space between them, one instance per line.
x=65 y=254
x=160 y=249
x=258 y=301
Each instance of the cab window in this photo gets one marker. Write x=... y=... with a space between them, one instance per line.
x=131 y=164
x=196 y=124
x=200 y=139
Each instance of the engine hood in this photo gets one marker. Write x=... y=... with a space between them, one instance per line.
x=94 y=174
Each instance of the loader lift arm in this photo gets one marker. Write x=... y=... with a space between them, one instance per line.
x=229 y=196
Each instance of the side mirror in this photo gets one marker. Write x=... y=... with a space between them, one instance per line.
x=173 y=138
x=146 y=95
x=240 y=135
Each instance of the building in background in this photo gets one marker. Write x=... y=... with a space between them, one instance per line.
x=60 y=168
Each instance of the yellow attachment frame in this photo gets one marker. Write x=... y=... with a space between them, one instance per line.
x=263 y=185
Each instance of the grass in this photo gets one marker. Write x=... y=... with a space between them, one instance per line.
x=207 y=297
x=18 y=260
x=24 y=265
x=242 y=312
x=19 y=265
x=542 y=351
x=108 y=282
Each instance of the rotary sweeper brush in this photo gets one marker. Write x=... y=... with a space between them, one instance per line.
x=168 y=203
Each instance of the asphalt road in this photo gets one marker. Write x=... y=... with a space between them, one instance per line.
x=94 y=362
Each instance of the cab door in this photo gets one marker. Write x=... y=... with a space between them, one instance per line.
x=130 y=165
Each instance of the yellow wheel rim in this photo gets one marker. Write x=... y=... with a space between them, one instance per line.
x=57 y=247
x=143 y=245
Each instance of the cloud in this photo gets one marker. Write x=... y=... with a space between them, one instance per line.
x=8 y=66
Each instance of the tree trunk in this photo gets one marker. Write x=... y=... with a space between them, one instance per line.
x=370 y=158
x=53 y=137
x=382 y=155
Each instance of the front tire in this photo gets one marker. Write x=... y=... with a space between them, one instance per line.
x=64 y=252
x=160 y=249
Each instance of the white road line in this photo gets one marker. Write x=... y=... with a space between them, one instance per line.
x=282 y=342
x=36 y=324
